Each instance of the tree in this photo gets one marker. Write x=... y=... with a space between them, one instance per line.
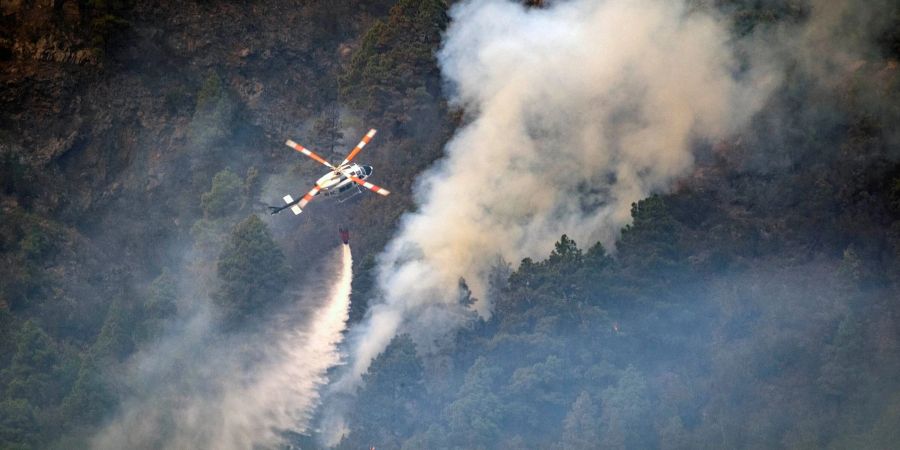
x=581 y=427
x=163 y=295
x=672 y=435
x=224 y=196
x=596 y=259
x=390 y=399
x=465 y=294
x=565 y=253
x=90 y=398
x=395 y=60
x=213 y=114
x=159 y=306
x=114 y=341
x=251 y=270
x=626 y=413
x=474 y=418
x=18 y=424
x=39 y=372
x=650 y=243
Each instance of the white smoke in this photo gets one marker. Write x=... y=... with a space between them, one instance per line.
x=577 y=110
x=246 y=393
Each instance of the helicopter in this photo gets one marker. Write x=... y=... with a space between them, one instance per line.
x=341 y=179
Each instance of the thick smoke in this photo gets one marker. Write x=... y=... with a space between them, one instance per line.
x=576 y=111
x=235 y=392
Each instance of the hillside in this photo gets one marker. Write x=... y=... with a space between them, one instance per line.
x=749 y=299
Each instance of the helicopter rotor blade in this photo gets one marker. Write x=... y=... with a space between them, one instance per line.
x=309 y=196
x=365 y=140
x=309 y=153
x=367 y=185
x=298 y=205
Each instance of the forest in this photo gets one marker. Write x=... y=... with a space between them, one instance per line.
x=752 y=300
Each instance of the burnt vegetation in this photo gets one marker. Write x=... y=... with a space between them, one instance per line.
x=755 y=306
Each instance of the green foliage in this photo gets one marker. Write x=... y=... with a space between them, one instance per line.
x=626 y=411
x=393 y=388
x=326 y=130
x=214 y=114
x=658 y=346
x=18 y=425
x=91 y=398
x=115 y=340
x=163 y=296
x=586 y=351
x=581 y=428
x=39 y=372
x=537 y=382
x=565 y=254
x=395 y=60
x=36 y=244
x=558 y=274
x=252 y=181
x=211 y=91
x=33 y=238
x=852 y=266
x=597 y=259
x=475 y=417
x=32 y=387
x=225 y=195
x=251 y=270
x=650 y=242
x=465 y=294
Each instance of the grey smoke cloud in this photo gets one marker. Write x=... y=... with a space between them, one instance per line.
x=575 y=111
x=203 y=390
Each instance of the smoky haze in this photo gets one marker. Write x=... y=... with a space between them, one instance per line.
x=202 y=389
x=570 y=126
x=573 y=112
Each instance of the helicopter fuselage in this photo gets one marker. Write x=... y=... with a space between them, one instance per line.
x=335 y=183
x=342 y=178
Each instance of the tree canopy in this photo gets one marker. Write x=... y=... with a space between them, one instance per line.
x=252 y=272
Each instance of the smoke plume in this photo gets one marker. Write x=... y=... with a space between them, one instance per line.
x=574 y=112
x=236 y=392
x=577 y=111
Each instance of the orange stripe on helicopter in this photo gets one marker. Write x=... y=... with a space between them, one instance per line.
x=306 y=152
x=367 y=185
x=365 y=140
x=309 y=196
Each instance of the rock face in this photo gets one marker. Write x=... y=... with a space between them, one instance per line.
x=115 y=115
x=85 y=86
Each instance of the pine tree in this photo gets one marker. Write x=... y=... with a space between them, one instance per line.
x=391 y=395
x=252 y=272
x=224 y=196
x=581 y=429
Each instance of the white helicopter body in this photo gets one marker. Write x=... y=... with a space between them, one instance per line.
x=340 y=179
